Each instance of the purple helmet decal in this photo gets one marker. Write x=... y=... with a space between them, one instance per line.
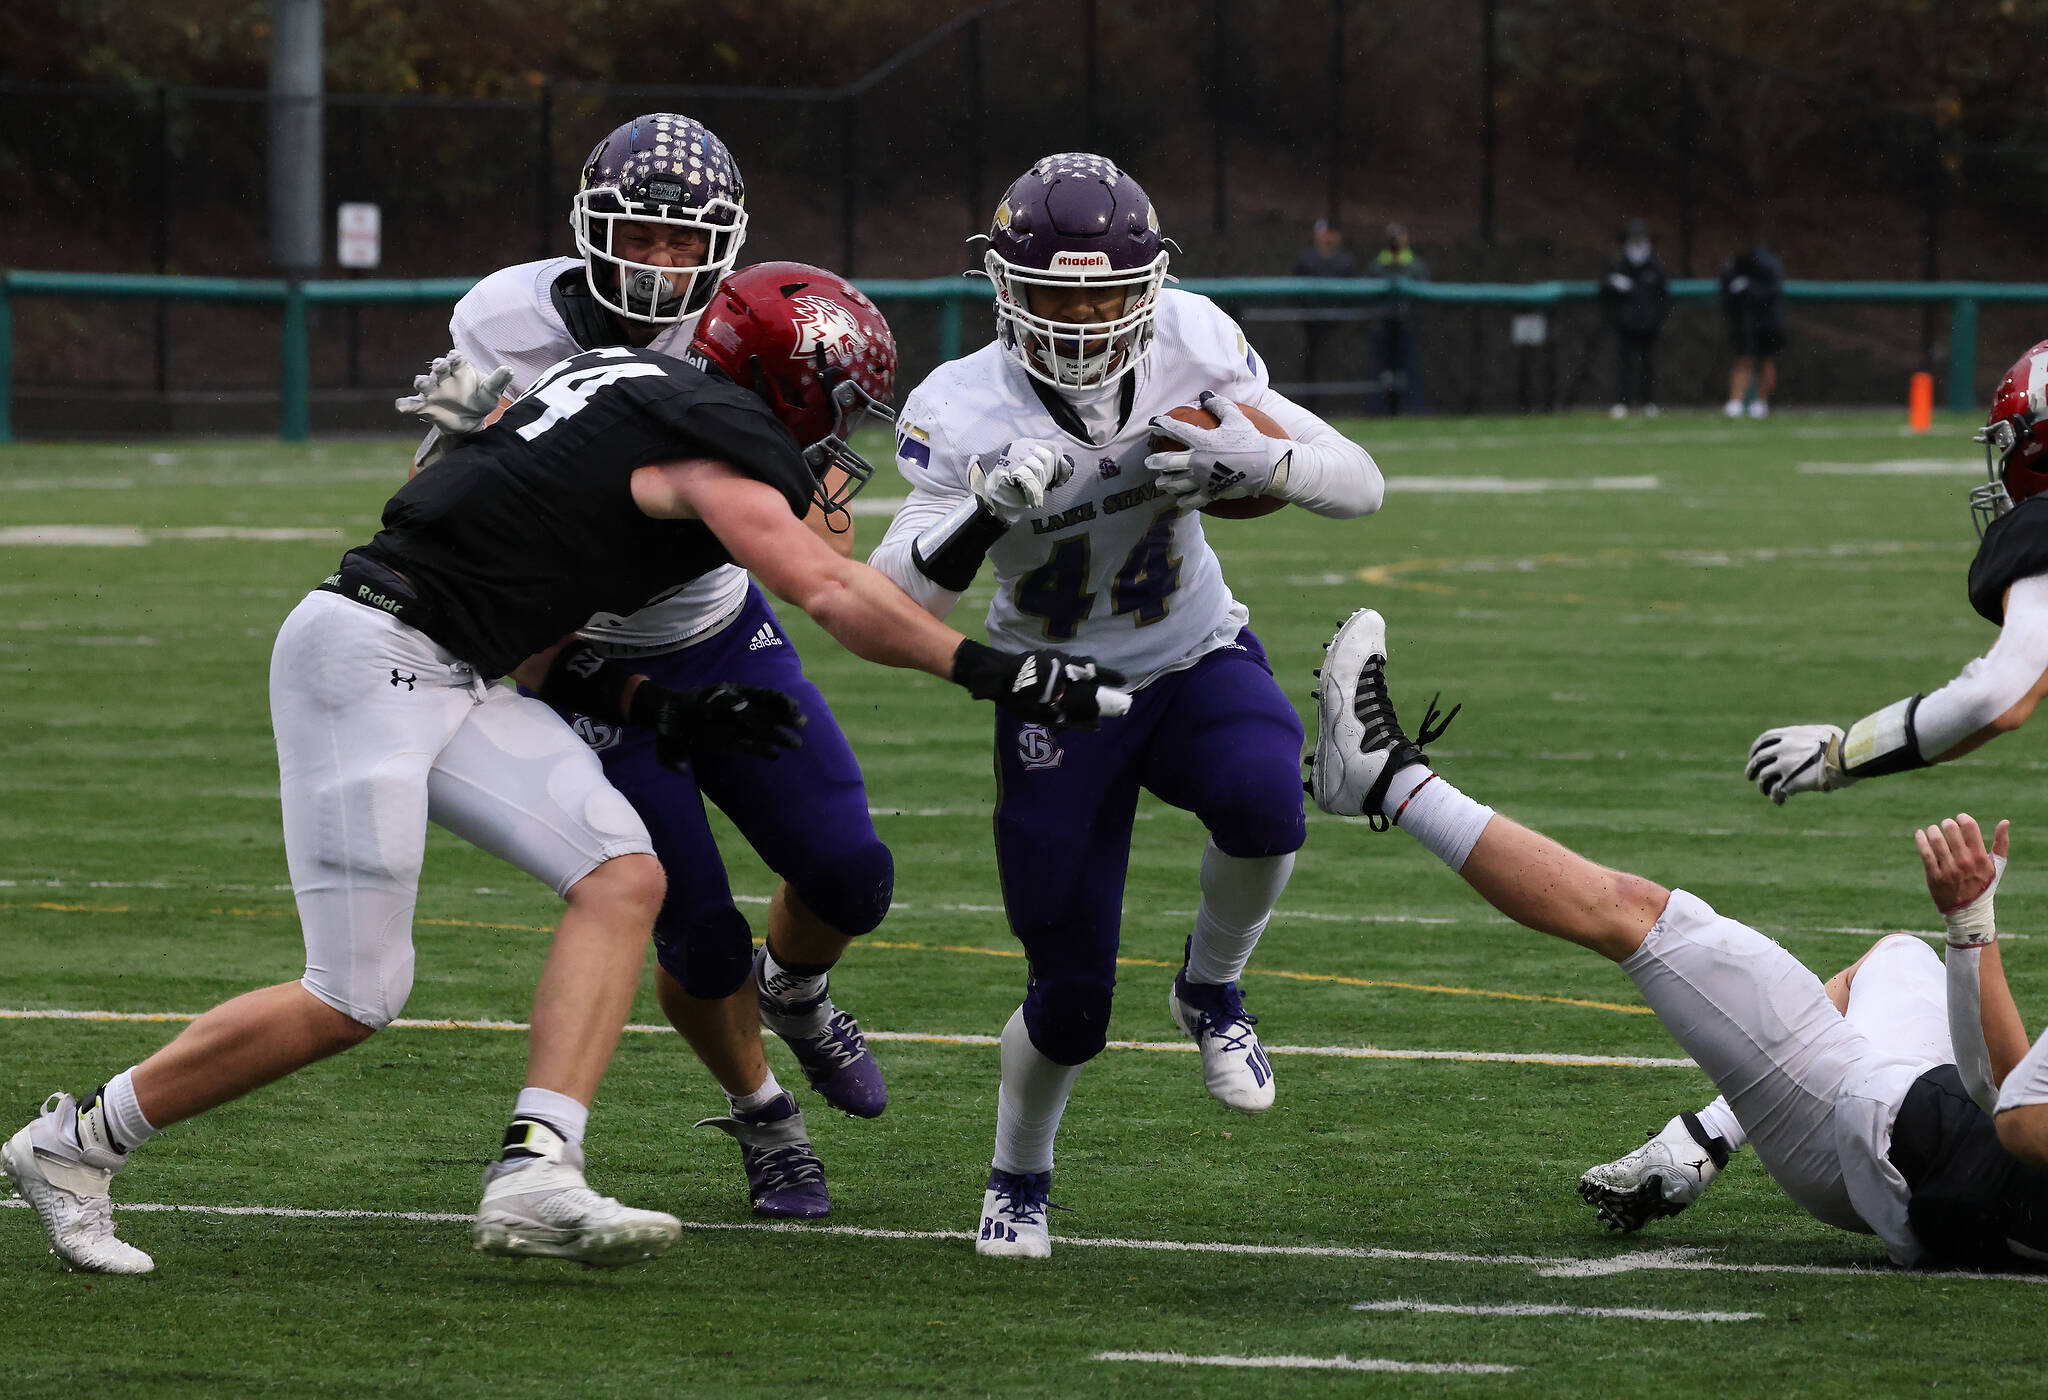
x=1072 y=225
x=658 y=171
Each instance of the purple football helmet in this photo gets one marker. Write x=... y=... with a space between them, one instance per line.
x=659 y=169
x=1075 y=220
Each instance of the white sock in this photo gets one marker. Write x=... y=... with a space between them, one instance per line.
x=1029 y=1102
x=560 y=1112
x=1719 y=1121
x=111 y=1120
x=1430 y=809
x=760 y=1098
x=1238 y=895
x=785 y=987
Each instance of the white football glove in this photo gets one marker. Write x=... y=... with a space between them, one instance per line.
x=1222 y=463
x=1015 y=481
x=453 y=396
x=1797 y=758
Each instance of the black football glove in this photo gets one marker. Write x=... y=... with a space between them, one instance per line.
x=1043 y=687
x=716 y=718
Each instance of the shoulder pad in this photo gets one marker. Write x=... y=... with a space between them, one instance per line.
x=2015 y=547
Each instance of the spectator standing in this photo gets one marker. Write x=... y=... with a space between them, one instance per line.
x=1326 y=256
x=1394 y=342
x=1753 y=298
x=1636 y=300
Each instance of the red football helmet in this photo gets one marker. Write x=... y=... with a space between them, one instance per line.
x=2015 y=439
x=818 y=351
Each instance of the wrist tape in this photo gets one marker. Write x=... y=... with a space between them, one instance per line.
x=1880 y=743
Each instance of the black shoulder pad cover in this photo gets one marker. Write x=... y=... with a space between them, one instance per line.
x=2015 y=547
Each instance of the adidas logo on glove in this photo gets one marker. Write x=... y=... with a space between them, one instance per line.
x=764 y=638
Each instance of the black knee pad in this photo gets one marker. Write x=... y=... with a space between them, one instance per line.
x=1068 y=1021
x=710 y=955
x=1266 y=819
x=852 y=893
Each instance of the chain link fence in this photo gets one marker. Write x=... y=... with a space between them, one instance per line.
x=1512 y=137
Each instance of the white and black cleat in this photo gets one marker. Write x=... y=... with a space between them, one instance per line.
x=537 y=1206
x=1359 y=743
x=1234 y=1065
x=1013 y=1210
x=66 y=1185
x=1660 y=1178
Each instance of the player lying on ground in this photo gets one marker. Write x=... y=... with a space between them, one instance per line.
x=1877 y=1133
x=622 y=475
x=1998 y=691
x=1034 y=453
x=1993 y=695
x=659 y=220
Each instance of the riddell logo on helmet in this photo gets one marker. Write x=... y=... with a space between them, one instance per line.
x=1098 y=260
x=823 y=324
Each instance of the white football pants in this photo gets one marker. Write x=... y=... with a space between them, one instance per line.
x=1762 y=1027
x=380 y=729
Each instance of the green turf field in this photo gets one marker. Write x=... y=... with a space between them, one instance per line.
x=1620 y=610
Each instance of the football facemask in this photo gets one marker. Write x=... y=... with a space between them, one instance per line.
x=1991 y=500
x=852 y=405
x=1075 y=354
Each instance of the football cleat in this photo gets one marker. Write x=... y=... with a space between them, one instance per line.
x=828 y=1045
x=67 y=1186
x=1013 y=1216
x=539 y=1206
x=1660 y=1178
x=1359 y=742
x=1234 y=1064
x=784 y=1176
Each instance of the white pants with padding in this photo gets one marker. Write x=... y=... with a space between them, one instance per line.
x=380 y=729
x=1761 y=1025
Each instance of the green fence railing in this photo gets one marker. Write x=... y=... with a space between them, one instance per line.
x=953 y=295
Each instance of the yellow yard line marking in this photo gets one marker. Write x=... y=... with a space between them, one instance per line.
x=969 y=949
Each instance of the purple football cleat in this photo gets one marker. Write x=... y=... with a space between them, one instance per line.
x=828 y=1044
x=784 y=1175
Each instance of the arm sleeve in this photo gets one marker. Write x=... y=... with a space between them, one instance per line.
x=1330 y=474
x=2028 y=1082
x=1966 y=1027
x=1994 y=682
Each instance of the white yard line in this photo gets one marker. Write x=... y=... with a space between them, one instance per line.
x=1520 y=485
x=130 y=536
x=1899 y=466
x=1313 y=1363
x=1550 y=1310
x=1659 y=1260
x=1171 y=1047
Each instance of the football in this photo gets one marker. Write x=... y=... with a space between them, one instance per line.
x=1245 y=507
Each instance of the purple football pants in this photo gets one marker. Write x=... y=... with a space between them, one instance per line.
x=1218 y=739
x=805 y=812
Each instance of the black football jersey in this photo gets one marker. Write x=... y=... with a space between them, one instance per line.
x=1972 y=1204
x=517 y=537
x=2015 y=547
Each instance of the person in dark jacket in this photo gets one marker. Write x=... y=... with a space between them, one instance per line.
x=1325 y=257
x=1752 y=297
x=1395 y=347
x=1636 y=299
